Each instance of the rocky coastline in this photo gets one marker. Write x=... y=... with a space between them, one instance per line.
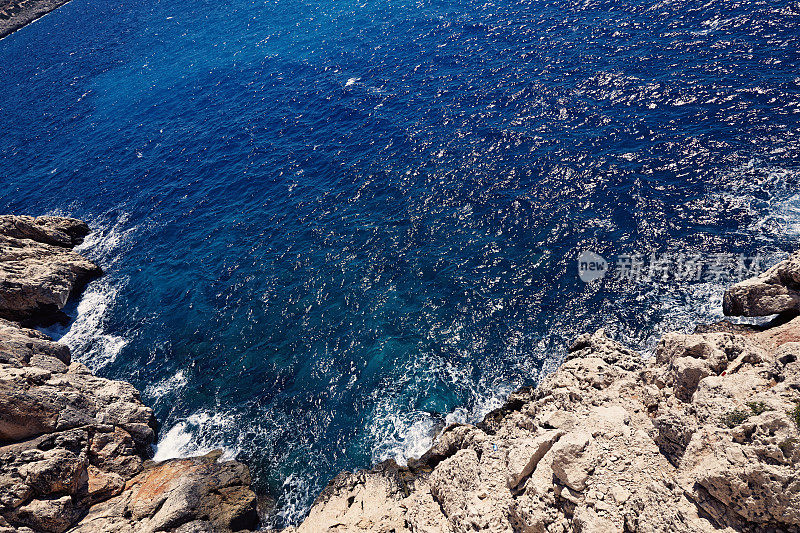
x=704 y=436
x=14 y=14
x=74 y=447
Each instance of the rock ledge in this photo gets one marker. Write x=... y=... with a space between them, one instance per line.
x=74 y=446
x=703 y=437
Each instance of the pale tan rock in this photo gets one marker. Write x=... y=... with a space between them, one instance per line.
x=524 y=454
x=39 y=400
x=574 y=459
x=57 y=231
x=48 y=514
x=774 y=291
x=21 y=346
x=369 y=501
x=606 y=444
x=72 y=444
x=38 y=270
x=114 y=450
x=424 y=514
x=102 y=484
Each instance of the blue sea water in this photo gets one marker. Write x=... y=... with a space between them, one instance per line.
x=331 y=227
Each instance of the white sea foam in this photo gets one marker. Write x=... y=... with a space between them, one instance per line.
x=409 y=435
x=196 y=435
x=789 y=212
x=104 y=244
x=404 y=435
x=170 y=385
x=88 y=337
x=297 y=493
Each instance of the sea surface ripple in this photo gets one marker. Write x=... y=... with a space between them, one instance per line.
x=329 y=228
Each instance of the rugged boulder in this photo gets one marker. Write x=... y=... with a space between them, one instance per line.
x=38 y=269
x=775 y=291
x=58 y=231
x=182 y=495
x=68 y=439
x=46 y=395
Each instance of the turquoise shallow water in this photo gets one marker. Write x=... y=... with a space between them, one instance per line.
x=331 y=227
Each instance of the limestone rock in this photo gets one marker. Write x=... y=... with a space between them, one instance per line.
x=775 y=291
x=38 y=269
x=524 y=454
x=43 y=398
x=370 y=500
x=574 y=460
x=19 y=346
x=198 y=494
x=58 y=231
x=48 y=514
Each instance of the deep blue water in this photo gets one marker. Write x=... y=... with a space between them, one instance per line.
x=328 y=227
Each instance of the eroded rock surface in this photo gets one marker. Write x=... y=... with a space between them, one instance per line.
x=68 y=439
x=73 y=446
x=58 y=231
x=775 y=291
x=182 y=495
x=38 y=269
x=14 y=14
x=703 y=437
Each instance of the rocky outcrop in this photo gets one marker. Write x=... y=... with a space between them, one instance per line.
x=38 y=269
x=74 y=446
x=14 y=14
x=183 y=495
x=47 y=393
x=705 y=436
x=775 y=291
x=58 y=231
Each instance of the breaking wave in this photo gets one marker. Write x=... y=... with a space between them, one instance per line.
x=337 y=239
x=195 y=435
x=88 y=335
